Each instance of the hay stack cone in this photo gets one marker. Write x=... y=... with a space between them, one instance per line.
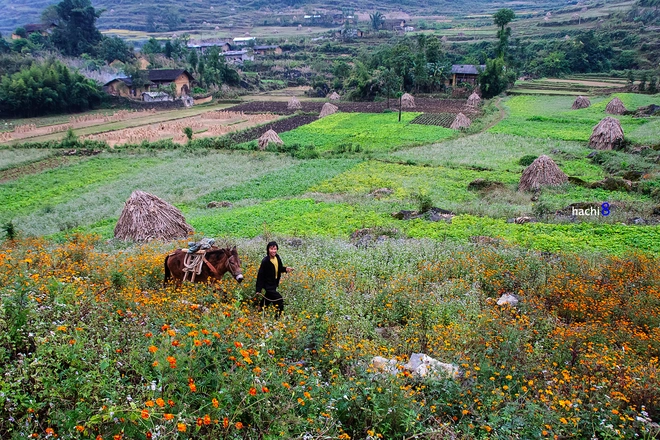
x=474 y=100
x=607 y=135
x=267 y=137
x=407 y=101
x=615 y=107
x=146 y=217
x=543 y=171
x=334 y=97
x=581 y=102
x=328 y=109
x=461 y=121
x=294 y=104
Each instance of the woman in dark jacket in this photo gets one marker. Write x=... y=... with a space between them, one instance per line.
x=268 y=278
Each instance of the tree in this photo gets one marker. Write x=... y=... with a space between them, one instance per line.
x=139 y=78
x=4 y=46
x=433 y=51
x=495 y=79
x=501 y=18
x=76 y=32
x=114 y=48
x=390 y=82
x=377 y=20
x=168 y=49
x=21 y=32
x=193 y=60
x=151 y=46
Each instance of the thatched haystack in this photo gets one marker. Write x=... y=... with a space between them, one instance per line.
x=474 y=100
x=328 y=109
x=543 y=171
x=461 y=121
x=407 y=101
x=334 y=97
x=267 y=137
x=615 y=107
x=581 y=102
x=294 y=104
x=607 y=135
x=146 y=217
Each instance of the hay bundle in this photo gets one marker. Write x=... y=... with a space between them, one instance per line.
x=474 y=100
x=607 y=135
x=294 y=104
x=581 y=102
x=334 y=97
x=146 y=217
x=461 y=121
x=328 y=109
x=543 y=171
x=267 y=137
x=615 y=107
x=407 y=101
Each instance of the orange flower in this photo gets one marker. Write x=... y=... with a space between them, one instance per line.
x=160 y=402
x=192 y=387
x=253 y=391
x=181 y=427
x=153 y=349
x=197 y=343
x=238 y=344
x=144 y=414
x=199 y=422
x=170 y=402
x=149 y=403
x=264 y=389
x=225 y=422
x=207 y=419
x=50 y=431
x=175 y=343
x=215 y=402
x=238 y=425
x=286 y=385
x=148 y=334
x=80 y=428
x=168 y=416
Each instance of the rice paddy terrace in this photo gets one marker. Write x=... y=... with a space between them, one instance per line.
x=405 y=238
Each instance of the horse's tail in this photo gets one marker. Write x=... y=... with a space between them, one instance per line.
x=167 y=272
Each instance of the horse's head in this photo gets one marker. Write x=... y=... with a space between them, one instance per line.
x=234 y=264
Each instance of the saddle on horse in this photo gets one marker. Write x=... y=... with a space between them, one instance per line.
x=194 y=259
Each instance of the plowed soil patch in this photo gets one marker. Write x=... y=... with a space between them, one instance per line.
x=277 y=126
x=425 y=105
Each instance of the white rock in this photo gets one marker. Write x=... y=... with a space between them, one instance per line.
x=424 y=365
x=507 y=298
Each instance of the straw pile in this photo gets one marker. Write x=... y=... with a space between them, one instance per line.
x=334 y=97
x=474 y=100
x=615 y=107
x=607 y=135
x=267 y=137
x=407 y=101
x=328 y=109
x=294 y=104
x=543 y=171
x=461 y=121
x=146 y=217
x=581 y=102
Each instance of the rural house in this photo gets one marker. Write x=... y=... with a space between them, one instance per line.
x=465 y=73
x=244 y=41
x=32 y=28
x=267 y=50
x=223 y=46
x=158 y=77
x=164 y=77
x=237 y=56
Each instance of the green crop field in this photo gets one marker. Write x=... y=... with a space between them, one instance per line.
x=93 y=345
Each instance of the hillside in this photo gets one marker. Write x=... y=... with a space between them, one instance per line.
x=169 y=15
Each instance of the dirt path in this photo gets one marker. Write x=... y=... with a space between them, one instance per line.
x=500 y=115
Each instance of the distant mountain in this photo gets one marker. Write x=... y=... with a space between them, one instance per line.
x=170 y=15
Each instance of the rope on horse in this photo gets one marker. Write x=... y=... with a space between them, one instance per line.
x=192 y=264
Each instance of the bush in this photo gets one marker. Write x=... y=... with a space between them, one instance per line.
x=527 y=160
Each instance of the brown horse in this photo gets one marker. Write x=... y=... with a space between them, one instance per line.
x=215 y=264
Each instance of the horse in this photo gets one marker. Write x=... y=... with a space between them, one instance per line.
x=216 y=262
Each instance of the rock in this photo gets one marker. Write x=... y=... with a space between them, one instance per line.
x=423 y=366
x=592 y=154
x=381 y=192
x=484 y=185
x=384 y=365
x=438 y=214
x=405 y=215
x=223 y=204
x=522 y=220
x=482 y=239
x=507 y=298
x=636 y=221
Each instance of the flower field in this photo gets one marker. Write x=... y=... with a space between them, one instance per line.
x=93 y=346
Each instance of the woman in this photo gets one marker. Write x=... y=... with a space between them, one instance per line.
x=268 y=278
